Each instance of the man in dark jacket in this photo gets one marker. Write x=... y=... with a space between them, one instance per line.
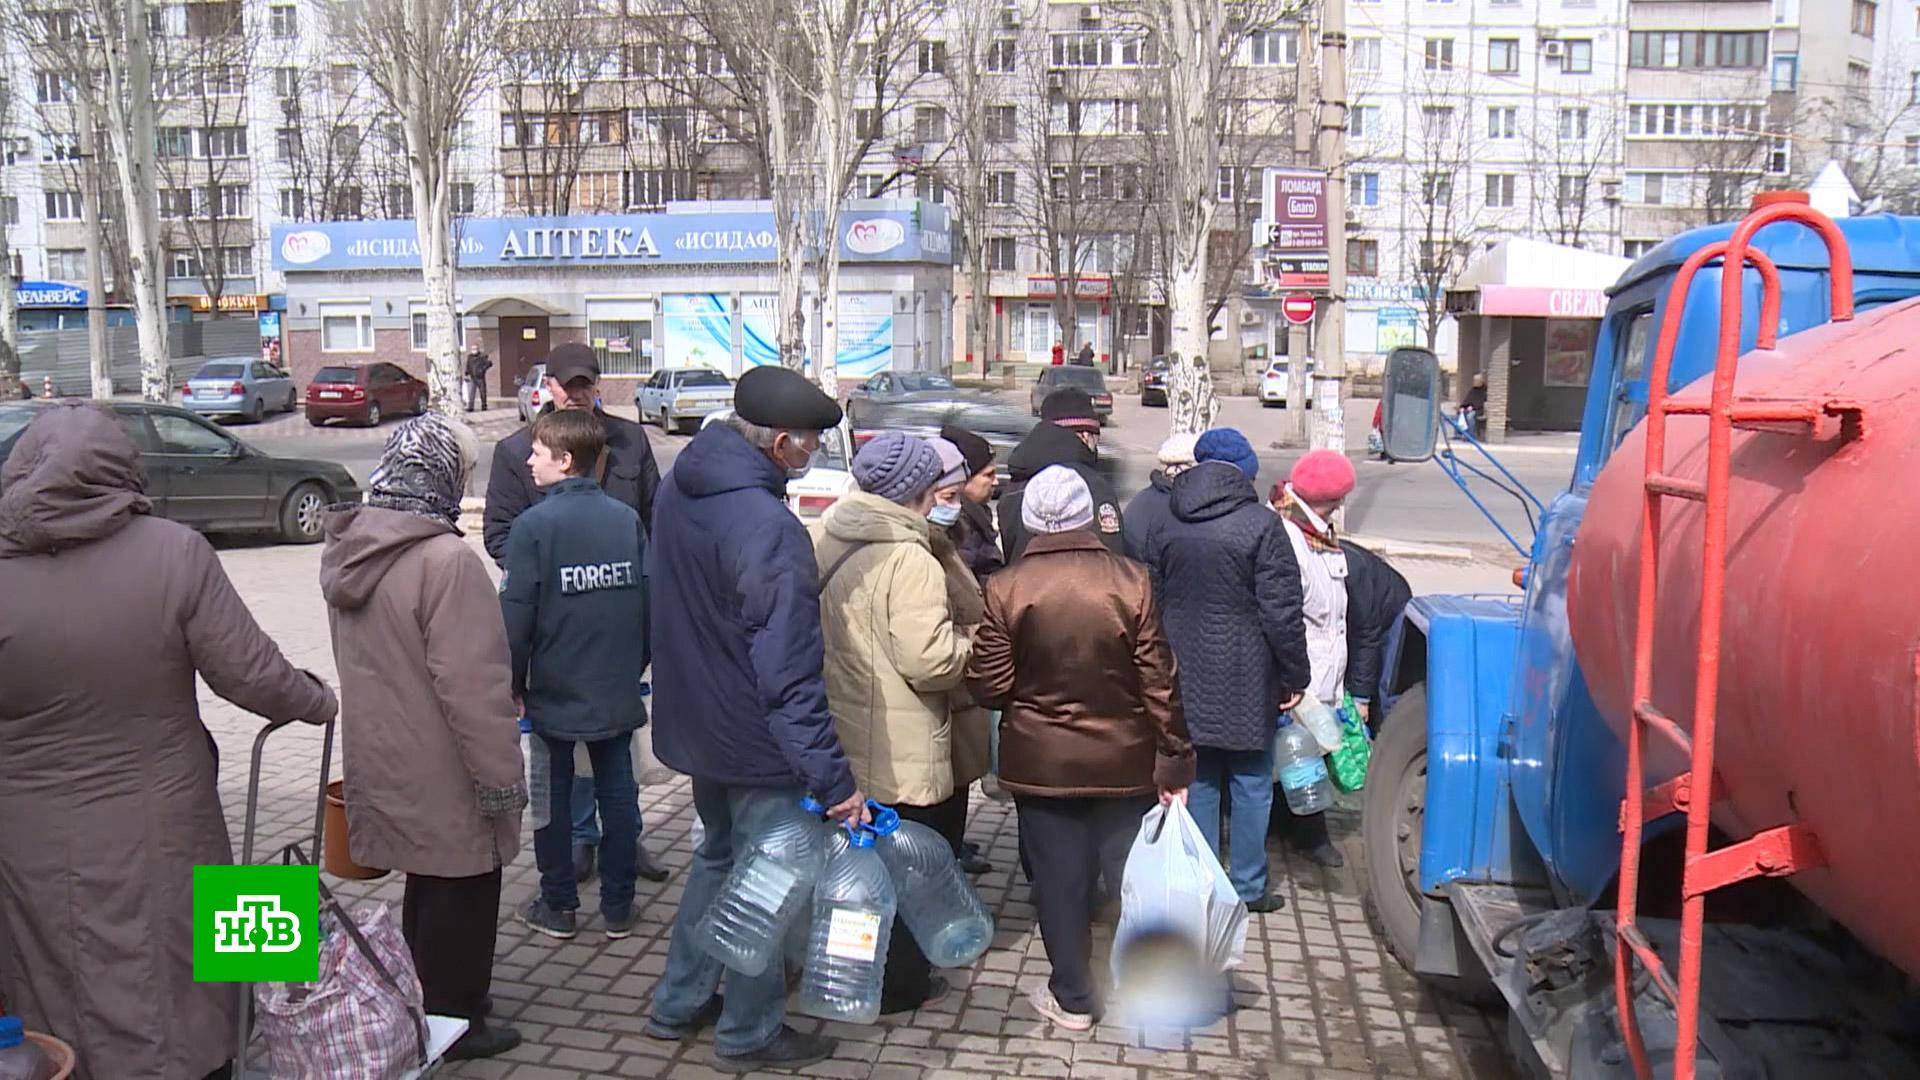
x=1068 y=435
x=477 y=367
x=1149 y=510
x=1376 y=596
x=740 y=698
x=575 y=602
x=1229 y=592
x=625 y=472
x=974 y=534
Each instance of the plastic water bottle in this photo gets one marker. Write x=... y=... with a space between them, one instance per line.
x=1320 y=723
x=533 y=751
x=747 y=924
x=20 y=1059
x=936 y=900
x=853 y=908
x=1301 y=769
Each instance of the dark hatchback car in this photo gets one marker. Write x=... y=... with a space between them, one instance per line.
x=199 y=475
x=1086 y=379
x=363 y=394
x=1153 y=382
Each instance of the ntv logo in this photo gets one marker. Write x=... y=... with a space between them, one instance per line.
x=256 y=925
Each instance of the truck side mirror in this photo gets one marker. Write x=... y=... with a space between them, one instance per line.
x=1410 y=404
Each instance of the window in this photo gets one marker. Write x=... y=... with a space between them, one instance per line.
x=1002 y=188
x=1503 y=122
x=1503 y=56
x=1436 y=188
x=1634 y=249
x=621 y=334
x=223 y=142
x=1697 y=49
x=1273 y=48
x=63 y=148
x=1436 y=121
x=1579 y=57
x=1439 y=54
x=1630 y=366
x=868 y=124
x=1003 y=254
x=931 y=56
x=419 y=325
x=1363 y=258
x=286 y=82
x=189 y=435
x=346 y=326
x=63 y=206
x=1780 y=156
x=1003 y=55
x=463 y=198
x=1913 y=90
x=1003 y=123
x=1363 y=189
x=17 y=149
x=871 y=185
x=1363 y=120
x=1081 y=50
x=929 y=124
x=283 y=22
x=51 y=88
x=1572 y=191
x=1865 y=14
x=399 y=201
x=176 y=204
x=184 y=266
x=1913 y=151
x=10 y=209
x=1223 y=184
x=1364 y=54
x=286 y=144
x=67 y=264
x=293 y=203
x=1500 y=189
x=235 y=201
x=236 y=262
x=929 y=187
x=1649 y=189
x=1573 y=124
x=1786 y=73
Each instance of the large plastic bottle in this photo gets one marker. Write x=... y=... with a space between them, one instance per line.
x=936 y=900
x=533 y=752
x=1320 y=722
x=20 y=1059
x=853 y=908
x=1301 y=768
x=771 y=880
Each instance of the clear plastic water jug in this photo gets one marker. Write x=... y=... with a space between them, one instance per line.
x=746 y=927
x=20 y=1059
x=936 y=900
x=1301 y=769
x=1320 y=722
x=853 y=908
x=533 y=754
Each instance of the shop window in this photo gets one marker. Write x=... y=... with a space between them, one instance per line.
x=621 y=335
x=346 y=326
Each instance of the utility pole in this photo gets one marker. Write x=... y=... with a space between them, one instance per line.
x=1298 y=429
x=92 y=212
x=1331 y=150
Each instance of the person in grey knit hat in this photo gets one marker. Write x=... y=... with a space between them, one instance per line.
x=897 y=467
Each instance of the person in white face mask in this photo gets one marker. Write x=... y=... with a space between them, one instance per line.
x=894 y=654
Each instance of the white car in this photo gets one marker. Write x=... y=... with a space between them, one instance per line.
x=829 y=475
x=533 y=388
x=1275 y=380
x=680 y=397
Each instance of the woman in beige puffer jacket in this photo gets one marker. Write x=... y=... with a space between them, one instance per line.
x=893 y=657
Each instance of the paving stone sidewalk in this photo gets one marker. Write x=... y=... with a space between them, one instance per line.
x=1318 y=998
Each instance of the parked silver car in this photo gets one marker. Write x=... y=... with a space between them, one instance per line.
x=239 y=386
x=679 y=398
x=532 y=393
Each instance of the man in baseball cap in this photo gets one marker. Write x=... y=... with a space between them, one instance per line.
x=1069 y=436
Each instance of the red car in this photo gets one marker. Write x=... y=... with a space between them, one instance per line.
x=363 y=393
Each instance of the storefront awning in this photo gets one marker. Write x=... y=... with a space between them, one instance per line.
x=1522 y=278
x=515 y=306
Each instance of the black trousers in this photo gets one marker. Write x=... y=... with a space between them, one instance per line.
x=1073 y=843
x=449 y=924
x=909 y=975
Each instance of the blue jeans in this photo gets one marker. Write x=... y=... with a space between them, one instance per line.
x=619 y=800
x=1240 y=781
x=586 y=821
x=755 y=1006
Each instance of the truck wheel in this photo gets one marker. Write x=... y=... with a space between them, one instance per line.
x=1391 y=817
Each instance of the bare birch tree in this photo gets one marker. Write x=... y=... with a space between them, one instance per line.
x=556 y=60
x=428 y=60
x=980 y=56
x=1445 y=221
x=11 y=389
x=127 y=86
x=1570 y=152
x=203 y=64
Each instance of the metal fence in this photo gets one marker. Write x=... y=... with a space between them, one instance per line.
x=63 y=354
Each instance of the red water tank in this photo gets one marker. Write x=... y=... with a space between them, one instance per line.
x=1819 y=717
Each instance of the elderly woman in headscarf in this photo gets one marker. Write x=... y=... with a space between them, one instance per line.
x=430 y=734
x=106 y=772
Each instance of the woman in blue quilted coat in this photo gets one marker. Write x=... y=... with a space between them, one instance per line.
x=1228 y=587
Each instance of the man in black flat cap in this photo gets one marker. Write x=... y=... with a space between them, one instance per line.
x=627 y=472
x=740 y=701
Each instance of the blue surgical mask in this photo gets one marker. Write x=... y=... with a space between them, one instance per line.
x=944 y=514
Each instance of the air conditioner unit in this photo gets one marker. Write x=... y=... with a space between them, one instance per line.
x=1250 y=317
x=1010 y=16
x=1553 y=50
x=1056 y=82
x=1090 y=13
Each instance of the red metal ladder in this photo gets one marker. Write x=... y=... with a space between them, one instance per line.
x=1773 y=852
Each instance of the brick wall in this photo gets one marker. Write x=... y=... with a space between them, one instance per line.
x=303 y=355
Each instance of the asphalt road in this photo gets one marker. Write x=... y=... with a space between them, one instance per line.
x=1406 y=502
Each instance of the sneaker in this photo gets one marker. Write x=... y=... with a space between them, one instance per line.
x=789 y=1049
x=1267 y=904
x=937 y=991
x=1048 y=1006
x=483 y=1040
x=704 y=1017
x=620 y=926
x=542 y=919
x=972 y=863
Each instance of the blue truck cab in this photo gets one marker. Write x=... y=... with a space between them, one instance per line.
x=1491 y=817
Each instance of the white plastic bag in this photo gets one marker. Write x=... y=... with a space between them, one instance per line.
x=1181 y=923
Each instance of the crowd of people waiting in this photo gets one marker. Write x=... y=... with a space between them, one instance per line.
x=1125 y=657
